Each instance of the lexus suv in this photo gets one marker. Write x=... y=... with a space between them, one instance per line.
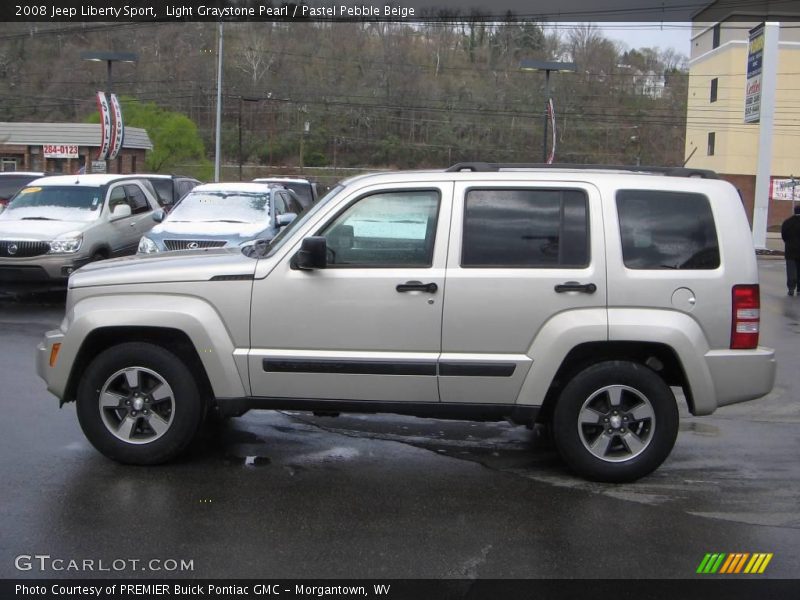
x=575 y=297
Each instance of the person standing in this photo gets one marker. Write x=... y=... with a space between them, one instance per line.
x=790 y=232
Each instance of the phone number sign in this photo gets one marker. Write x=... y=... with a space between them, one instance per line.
x=60 y=150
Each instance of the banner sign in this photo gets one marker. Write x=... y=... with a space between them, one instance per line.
x=60 y=150
x=784 y=189
x=118 y=129
x=755 y=58
x=105 y=126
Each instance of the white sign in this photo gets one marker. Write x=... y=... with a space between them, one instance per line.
x=60 y=150
x=784 y=189
x=98 y=166
x=755 y=59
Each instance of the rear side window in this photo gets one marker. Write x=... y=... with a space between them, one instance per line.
x=137 y=199
x=667 y=230
x=519 y=228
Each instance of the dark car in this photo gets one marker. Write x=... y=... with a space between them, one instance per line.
x=170 y=188
x=12 y=182
x=305 y=190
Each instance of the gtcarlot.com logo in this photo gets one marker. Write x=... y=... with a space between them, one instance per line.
x=721 y=563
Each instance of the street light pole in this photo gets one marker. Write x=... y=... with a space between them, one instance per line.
x=546 y=66
x=218 y=141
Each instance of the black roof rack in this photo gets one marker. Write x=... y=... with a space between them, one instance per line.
x=669 y=171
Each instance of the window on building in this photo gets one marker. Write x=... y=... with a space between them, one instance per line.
x=711 y=141
x=526 y=228
x=716 y=32
x=714 y=86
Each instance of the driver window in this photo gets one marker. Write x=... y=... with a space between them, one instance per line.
x=388 y=229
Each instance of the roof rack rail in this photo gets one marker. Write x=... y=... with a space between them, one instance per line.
x=668 y=171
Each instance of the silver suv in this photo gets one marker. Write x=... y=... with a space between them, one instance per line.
x=55 y=225
x=574 y=297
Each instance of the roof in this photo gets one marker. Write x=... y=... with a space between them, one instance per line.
x=91 y=180
x=233 y=187
x=82 y=134
x=281 y=180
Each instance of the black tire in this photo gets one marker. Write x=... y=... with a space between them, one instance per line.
x=170 y=406
x=637 y=422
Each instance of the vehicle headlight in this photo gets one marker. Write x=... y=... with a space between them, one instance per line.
x=147 y=246
x=66 y=245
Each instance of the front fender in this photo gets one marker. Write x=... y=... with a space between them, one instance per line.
x=194 y=316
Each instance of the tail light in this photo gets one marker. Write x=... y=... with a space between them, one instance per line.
x=745 y=316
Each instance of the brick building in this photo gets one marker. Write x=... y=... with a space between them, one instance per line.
x=67 y=147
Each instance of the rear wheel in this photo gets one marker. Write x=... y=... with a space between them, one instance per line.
x=138 y=403
x=615 y=421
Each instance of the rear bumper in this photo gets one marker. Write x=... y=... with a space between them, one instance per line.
x=741 y=375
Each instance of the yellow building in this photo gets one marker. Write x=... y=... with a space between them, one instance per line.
x=717 y=136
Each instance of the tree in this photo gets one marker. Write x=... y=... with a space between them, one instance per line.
x=174 y=135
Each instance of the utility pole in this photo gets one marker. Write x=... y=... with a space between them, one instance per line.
x=218 y=143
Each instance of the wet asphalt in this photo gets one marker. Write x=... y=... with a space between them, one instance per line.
x=291 y=495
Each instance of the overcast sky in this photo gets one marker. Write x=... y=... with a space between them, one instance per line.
x=649 y=35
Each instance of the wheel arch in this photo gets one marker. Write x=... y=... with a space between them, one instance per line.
x=102 y=338
x=658 y=357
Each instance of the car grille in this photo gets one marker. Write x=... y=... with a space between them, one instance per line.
x=14 y=249
x=192 y=244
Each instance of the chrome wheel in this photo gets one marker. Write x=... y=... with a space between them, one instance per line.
x=137 y=405
x=616 y=423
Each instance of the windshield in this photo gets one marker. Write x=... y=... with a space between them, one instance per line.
x=55 y=203
x=222 y=206
x=262 y=249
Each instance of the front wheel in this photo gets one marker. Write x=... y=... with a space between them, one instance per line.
x=138 y=403
x=615 y=421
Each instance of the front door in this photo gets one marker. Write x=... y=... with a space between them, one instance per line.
x=367 y=327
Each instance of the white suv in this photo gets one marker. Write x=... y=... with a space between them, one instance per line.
x=571 y=296
x=55 y=225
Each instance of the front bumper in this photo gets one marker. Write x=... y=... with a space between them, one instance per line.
x=54 y=377
x=47 y=271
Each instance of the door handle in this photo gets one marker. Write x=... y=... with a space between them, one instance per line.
x=574 y=286
x=417 y=286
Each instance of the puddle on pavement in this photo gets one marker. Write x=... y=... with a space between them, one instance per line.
x=701 y=429
x=248 y=461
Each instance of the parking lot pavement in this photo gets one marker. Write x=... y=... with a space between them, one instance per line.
x=293 y=495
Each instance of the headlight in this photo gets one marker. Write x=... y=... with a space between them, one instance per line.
x=68 y=245
x=147 y=246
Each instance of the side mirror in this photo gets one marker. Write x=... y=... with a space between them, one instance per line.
x=121 y=211
x=284 y=219
x=158 y=215
x=313 y=254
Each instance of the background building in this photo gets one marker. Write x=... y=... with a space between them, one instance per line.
x=716 y=135
x=67 y=147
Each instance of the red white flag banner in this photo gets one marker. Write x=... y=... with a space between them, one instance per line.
x=105 y=126
x=551 y=113
x=118 y=128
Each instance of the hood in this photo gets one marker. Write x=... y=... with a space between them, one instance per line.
x=39 y=230
x=197 y=265
x=207 y=230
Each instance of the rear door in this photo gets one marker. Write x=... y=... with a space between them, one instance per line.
x=521 y=254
